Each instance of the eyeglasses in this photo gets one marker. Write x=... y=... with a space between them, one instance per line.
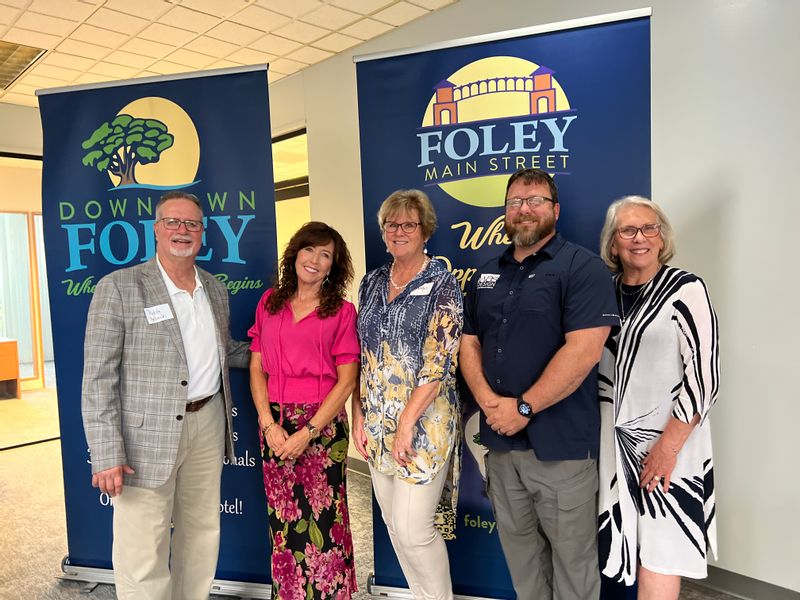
x=174 y=224
x=649 y=230
x=531 y=201
x=407 y=227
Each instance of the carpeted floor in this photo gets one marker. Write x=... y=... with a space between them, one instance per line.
x=30 y=419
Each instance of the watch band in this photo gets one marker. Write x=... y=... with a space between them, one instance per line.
x=523 y=408
x=312 y=430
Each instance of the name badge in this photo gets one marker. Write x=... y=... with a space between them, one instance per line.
x=422 y=290
x=156 y=314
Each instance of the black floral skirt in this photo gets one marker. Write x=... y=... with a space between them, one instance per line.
x=312 y=547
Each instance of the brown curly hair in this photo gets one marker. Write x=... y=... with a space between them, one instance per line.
x=313 y=233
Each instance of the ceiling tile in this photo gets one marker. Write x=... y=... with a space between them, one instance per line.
x=22 y=99
x=164 y=67
x=216 y=7
x=234 y=33
x=366 y=29
x=82 y=49
x=432 y=4
x=336 y=42
x=148 y=9
x=45 y=24
x=98 y=35
x=147 y=48
x=275 y=45
x=31 y=38
x=21 y=88
x=302 y=32
x=273 y=76
x=211 y=46
x=309 y=55
x=260 y=18
x=72 y=10
x=191 y=59
x=164 y=33
x=286 y=66
x=92 y=78
x=38 y=81
x=331 y=17
x=137 y=61
x=246 y=56
x=116 y=21
x=224 y=64
x=400 y=13
x=189 y=19
x=7 y=14
x=17 y=3
x=293 y=8
x=59 y=59
x=111 y=70
x=55 y=72
x=364 y=7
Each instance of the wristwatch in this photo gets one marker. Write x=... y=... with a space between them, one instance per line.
x=312 y=430
x=524 y=408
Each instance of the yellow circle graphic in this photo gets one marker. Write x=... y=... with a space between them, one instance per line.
x=490 y=88
x=177 y=165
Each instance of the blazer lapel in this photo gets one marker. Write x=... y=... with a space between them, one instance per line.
x=156 y=294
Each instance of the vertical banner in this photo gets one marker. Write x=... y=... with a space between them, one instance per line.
x=572 y=99
x=109 y=153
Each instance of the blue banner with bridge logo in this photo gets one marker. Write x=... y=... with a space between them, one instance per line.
x=456 y=121
x=110 y=152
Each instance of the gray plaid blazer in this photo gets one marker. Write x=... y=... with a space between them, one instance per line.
x=135 y=374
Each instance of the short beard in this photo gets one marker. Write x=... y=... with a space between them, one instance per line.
x=531 y=237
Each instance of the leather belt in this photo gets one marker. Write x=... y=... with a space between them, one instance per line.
x=196 y=405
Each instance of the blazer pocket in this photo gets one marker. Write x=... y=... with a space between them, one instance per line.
x=132 y=418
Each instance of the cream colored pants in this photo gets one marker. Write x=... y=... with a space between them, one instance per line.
x=408 y=511
x=190 y=500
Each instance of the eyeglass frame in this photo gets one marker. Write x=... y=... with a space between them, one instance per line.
x=184 y=222
x=392 y=227
x=637 y=230
x=527 y=201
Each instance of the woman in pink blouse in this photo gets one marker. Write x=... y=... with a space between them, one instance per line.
x=304 y=363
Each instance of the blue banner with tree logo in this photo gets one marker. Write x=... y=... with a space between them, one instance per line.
x=456 y=121
x=110 y=152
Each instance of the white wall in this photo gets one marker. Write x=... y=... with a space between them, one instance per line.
x=725 y=102
x=725 y=121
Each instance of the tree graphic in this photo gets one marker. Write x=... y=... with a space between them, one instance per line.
x=118 y=146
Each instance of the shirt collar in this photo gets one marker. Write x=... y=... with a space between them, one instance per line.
x=550 y=249
x=173 y=289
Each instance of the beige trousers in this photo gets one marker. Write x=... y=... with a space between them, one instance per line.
x=143 y=569
x=408 y=511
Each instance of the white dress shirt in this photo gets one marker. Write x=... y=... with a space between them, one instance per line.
x=198 y=331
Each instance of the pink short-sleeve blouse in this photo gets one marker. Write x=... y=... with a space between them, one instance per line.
x=300 y=359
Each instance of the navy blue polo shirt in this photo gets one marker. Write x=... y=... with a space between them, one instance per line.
x=520 y=312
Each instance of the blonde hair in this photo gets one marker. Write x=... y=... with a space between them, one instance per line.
x=406 y=201
x=610 y=229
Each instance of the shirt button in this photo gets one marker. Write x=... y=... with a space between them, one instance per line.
x=497 y=381
x=505 y=320
x=511 y=293
x=179 y=417
x=184 y=383
x=521 y=268
x=499 y=350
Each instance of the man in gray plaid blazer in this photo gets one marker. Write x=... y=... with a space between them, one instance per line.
x=157 y=409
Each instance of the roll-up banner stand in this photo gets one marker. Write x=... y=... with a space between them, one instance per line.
x=213 y=140
x=455 y=120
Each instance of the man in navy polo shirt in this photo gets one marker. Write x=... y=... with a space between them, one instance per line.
x=536 y=319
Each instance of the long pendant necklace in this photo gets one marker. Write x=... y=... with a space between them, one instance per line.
x=400 y=288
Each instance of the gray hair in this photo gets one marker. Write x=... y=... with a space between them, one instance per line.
x=177 y=195
x=610 y=229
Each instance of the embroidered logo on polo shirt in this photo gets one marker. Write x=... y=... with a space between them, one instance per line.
x=487 y=280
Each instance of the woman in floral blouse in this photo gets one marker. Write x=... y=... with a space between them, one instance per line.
x=406 y=421
x=303 y=368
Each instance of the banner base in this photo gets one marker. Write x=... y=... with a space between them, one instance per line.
x=384 y=591
x=221 y=587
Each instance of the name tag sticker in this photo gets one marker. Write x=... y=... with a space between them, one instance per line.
x=422 y=290
x=156 y=314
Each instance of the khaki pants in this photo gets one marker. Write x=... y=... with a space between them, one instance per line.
x=408 y=511
x=546 y=514
x=190 y=500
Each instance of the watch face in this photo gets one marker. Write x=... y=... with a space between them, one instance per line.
x=524 y=409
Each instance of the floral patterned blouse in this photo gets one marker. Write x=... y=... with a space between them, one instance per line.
x=406 y=343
